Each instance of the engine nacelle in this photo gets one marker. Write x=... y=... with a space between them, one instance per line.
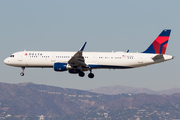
x=61 y=66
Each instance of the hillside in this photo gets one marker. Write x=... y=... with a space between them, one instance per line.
x=119 y=89
x=28 y=101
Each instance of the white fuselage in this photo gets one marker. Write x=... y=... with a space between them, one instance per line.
x=110 y=60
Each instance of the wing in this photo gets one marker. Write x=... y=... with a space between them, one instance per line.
x=78 y=60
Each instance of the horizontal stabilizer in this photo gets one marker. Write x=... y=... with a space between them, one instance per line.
x=157 y=57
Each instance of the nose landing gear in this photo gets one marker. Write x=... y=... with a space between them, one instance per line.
x=22 y=73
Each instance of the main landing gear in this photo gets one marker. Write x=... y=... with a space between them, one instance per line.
x=22 y=73
x=81 y=74
x=90 y=75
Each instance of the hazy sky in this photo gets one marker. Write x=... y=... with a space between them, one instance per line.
x=106 y=25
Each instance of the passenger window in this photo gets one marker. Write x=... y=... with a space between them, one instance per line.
x=12 y=56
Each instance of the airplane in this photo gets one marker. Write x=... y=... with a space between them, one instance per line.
x=79 y=62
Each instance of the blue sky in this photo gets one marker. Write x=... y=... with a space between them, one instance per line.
x=106 y=26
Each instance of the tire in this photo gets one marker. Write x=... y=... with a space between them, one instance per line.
x=91 y=75
x=81 y=74
x=22 y=74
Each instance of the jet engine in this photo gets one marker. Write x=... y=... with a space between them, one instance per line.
x=61 y=66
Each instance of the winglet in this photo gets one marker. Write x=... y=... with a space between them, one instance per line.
x=82 y=48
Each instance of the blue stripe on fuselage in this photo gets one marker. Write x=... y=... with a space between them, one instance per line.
x=109 y=66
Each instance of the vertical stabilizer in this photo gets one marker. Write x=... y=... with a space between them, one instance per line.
x=160 y=43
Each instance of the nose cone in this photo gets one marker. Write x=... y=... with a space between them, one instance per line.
x=6 y=61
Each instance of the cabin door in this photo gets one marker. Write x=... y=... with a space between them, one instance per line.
x=53 y=58
x=20 y=58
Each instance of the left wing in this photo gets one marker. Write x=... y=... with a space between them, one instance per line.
x=78 y=60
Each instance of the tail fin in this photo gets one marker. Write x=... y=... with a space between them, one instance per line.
x=160 y=43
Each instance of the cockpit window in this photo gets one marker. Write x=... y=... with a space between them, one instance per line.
x=12 y=56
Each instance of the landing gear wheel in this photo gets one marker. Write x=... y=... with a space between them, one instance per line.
x=81 y=74
x=90 y=75
x=22 y=74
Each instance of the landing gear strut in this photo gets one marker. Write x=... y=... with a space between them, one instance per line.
x=91 y=75
x=22 y=73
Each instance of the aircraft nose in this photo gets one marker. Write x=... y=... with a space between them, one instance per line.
x=6 y=61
